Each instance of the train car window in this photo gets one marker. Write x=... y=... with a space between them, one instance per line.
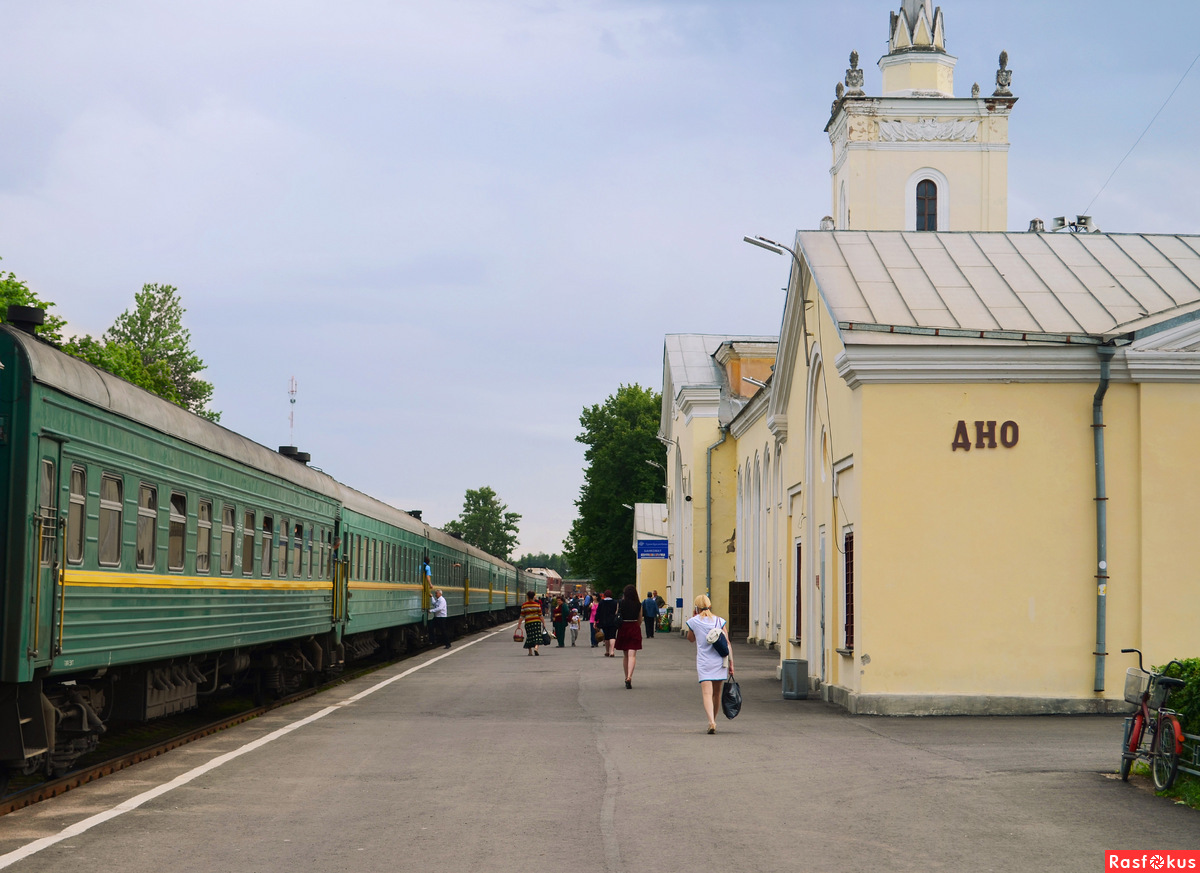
x=75 y=515
x=147 y=526
x=375 y=557
x=176 y=531
x=321 y=553
x=248 y=530
x=308 y=551
x=111 y=511
x=358 y=556
x=204 y=536
x=284 y=542
x=228 y=514
x=298 y=548
x=268 y=544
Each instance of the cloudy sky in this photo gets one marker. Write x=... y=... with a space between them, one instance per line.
x=456 y=223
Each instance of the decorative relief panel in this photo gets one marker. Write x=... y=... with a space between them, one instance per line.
x=928 y=130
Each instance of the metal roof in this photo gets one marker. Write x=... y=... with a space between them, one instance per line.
x=689 y=357
x=1071 y=284
x=649 y=521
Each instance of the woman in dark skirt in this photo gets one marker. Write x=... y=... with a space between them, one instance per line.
x=606 y=617
x=629 y=631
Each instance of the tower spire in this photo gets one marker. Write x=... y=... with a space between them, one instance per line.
x=917 y=64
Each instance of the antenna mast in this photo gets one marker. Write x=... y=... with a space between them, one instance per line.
x=292 y=411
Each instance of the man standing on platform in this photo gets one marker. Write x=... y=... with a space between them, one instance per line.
x=437 y=610
x=650 y=614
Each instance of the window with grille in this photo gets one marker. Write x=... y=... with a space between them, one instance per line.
x=848 y=593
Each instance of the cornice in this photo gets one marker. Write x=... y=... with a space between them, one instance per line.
x=897 y=365
x=750 y=414
x=699 y=401
x=1158 y=366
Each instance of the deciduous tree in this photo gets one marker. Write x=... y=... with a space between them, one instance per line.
x=621 y=435
x=486 y=523
x=14 y=292
x=154 y=329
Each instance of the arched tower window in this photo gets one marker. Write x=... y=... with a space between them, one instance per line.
x=927 y=205
x=927 y=200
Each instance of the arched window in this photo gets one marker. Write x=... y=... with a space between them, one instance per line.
x=927 y=205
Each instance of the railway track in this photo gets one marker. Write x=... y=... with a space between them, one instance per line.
x=123 y=750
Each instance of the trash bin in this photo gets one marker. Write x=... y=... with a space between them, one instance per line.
x=795 y=679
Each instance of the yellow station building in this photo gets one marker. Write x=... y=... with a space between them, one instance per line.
x=965 y=474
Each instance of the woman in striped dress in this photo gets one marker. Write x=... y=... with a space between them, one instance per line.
x=531 y=615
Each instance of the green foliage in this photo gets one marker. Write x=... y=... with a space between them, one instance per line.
x=1186 y=700
x=486 y=523
x=154 y=330
x=621 y=436
x=557 y=563
x=124 y=360
x=14 y=292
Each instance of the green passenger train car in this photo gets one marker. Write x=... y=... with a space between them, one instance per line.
x=151 y=557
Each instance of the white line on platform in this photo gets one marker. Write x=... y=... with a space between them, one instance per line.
x=146 y=796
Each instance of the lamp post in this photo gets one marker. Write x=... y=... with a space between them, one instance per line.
x=779 y=248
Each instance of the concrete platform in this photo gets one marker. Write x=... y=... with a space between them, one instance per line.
x=484 y=759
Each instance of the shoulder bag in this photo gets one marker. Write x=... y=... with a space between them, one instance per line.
x=717 y=639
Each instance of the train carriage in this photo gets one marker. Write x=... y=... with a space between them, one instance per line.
x=151 y=556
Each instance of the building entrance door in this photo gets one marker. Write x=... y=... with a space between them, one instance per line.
x=739 y=610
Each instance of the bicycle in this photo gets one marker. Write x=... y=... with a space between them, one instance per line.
x=1153 y=733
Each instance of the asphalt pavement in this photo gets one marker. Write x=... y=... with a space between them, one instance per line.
x=482 y=758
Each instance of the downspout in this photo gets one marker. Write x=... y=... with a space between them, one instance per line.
x=1106 y=354
x=708 y=501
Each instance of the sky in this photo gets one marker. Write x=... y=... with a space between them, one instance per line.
x=458 y=223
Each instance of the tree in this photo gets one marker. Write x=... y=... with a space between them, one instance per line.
x=621 y=435
x=14 y=292
x=557 y=563
x=153 y=330
x=486 y=523
x=124 y=360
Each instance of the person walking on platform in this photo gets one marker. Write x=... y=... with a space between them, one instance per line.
x=437 y=611
x=573 y=625
x=531 y=616
x=591 y=608
x=559 y=618
x=606 y=617
x=650 y=614
x=629 y=634
x=711 y=668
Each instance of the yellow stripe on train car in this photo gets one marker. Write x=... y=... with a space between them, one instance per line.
x=100 y=579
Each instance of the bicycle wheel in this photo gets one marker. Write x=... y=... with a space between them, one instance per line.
x=1129 y=753
x=1164 y=760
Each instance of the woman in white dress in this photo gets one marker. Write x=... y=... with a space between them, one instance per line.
x=712 y=669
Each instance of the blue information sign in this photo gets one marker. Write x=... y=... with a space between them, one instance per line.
x=652 y=549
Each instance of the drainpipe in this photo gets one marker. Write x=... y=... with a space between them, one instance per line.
x=1106 y=354
x=708 y=516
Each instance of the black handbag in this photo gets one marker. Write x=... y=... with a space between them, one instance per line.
x=731 y=698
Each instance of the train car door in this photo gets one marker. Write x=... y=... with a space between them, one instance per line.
x=341 y=578
x=47 y=560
